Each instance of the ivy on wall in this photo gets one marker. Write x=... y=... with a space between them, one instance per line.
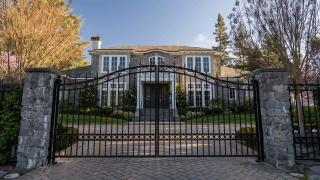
x=9 y=121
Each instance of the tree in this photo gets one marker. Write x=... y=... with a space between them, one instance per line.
x=89 y=94
x=8 y=64
x=239 y=44
x=287 y=27
x=222 y=38
x=42 y=33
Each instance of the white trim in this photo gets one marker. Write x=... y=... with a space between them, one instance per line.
x=74 y=78
x=152 y=50
x=201 y=61
x=108 y=50
x=110 y=62
x=200 y=51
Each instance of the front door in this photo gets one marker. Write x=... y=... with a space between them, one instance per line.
x=150 y=95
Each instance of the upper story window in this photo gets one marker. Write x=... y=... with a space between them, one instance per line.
x=111 y=63
x=156 y=60
x=198 y=63
x=232 y=93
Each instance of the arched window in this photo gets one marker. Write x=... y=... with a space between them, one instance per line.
x=156 y=60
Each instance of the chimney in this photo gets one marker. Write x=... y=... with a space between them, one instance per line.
x=96 y=42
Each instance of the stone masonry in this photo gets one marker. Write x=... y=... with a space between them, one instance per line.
x=275 y=113
x=35 y=117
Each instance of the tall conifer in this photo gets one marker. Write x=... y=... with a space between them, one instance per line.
x=222 y=38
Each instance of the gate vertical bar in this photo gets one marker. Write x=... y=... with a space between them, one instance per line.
x=55 y=97
x=260 y=122
x=55 y=117
x=157 y=111
x=255 y=87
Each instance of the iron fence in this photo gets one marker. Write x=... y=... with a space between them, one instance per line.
x=305 y=113
x=155 y=110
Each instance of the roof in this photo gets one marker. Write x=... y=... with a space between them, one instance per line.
x=139 y=48
x=232 y=72
x=79 y=72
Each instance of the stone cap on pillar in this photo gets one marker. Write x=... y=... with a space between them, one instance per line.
x=268 y=69
x=42 y=69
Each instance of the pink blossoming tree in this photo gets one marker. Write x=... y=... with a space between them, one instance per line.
x=9 y=66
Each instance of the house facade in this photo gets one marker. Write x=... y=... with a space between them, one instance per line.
x=108 y=60
x=111 y=59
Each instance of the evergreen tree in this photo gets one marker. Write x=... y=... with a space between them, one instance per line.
x=222 y=38
x=239 y=45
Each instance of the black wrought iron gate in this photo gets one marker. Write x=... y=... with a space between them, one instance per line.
x=195 y=115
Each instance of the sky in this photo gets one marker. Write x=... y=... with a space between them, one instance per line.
x=151 y=22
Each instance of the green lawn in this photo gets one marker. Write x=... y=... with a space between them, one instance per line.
x=92 y=119
x=224 y=119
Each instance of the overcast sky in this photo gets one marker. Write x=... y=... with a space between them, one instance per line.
x=151 y=22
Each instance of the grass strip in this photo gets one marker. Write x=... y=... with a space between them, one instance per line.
x=88 y=119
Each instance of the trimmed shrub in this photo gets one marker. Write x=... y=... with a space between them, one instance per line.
x=123 y=114
x=307 y=126
x=212 y=110
x=182 y=111
x=66 y=106
x=247 y=133
x=191 y=114
x=64 y=133
x=246 y=106
x=129 y=108
x=194 y=109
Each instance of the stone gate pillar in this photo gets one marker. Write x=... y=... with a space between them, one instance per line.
x=35 y=117
x=275 y=114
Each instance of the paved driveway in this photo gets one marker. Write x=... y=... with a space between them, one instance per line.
x=157 y=168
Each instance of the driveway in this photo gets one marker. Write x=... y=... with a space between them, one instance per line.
x=157 y=168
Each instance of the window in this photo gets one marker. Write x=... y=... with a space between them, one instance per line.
x=122 y=63
x=190 y=63
x=113 y=98
x=156 y=60
x=198 y=63
x=160 y=60
x=105 y=63
x=112 y=63
x=200 y=95
x=206 y=96
x=115 y=92
x=113 y=86
x=120 y=98
x=199 y=98
x=152 y=60
x=232 y=93
x=104 y=98
x=206 y=64
x=190 y=86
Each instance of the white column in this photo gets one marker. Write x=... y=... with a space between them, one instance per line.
x=172 y=96
x=138 y=92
